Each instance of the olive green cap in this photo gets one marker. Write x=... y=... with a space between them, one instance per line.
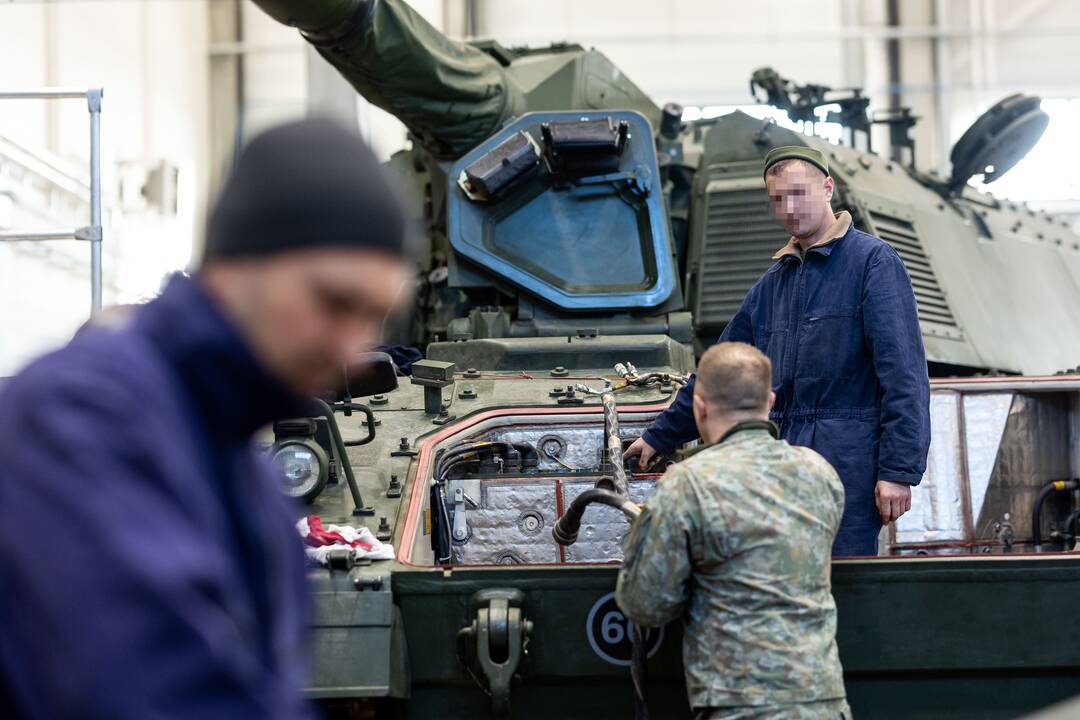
x=800 y=152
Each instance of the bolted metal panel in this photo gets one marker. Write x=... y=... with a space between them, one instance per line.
x=602 y=527
x=512 y=525
x=498 y=534
x=902 y=236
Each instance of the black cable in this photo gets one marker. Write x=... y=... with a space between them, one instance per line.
x=441 y=533
x=639 y=671
x=1071 y=526
x=448 y=538
x=1036 y=510
x=565 y=532
x=440 y=521
x=566 y=529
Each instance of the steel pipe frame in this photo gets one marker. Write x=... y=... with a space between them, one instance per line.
x=94 y=232
x=37 y=236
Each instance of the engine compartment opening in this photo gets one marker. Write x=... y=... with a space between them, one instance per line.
x=1002 y=478
x=495 y=489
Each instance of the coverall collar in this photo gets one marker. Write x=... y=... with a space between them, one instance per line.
x=839 y=228
x=228 y=386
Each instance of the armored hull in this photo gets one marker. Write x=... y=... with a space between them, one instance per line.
x=951 y=620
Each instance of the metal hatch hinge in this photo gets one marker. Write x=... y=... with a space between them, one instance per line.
x=496 y=640
x=461 y=526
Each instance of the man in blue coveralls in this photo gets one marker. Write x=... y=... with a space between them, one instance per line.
x=149 y=566
x=836 y=315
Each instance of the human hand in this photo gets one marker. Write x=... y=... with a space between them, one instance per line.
x=645 y=453
x=892 y=499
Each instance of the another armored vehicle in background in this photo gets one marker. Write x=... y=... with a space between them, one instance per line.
x=575 y=230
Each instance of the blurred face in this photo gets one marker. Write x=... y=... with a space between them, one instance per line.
x=306 y=313
x=800 y=195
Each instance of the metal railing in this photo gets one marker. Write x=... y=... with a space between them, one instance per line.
x=92 y=232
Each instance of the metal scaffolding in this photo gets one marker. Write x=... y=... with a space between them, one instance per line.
x=91 y=232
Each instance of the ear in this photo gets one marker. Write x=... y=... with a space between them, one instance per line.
x=700 y=410
x=830 y=185
x=772 y=400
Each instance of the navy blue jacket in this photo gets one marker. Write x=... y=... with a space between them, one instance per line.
x=849 y=371
x=149 y=566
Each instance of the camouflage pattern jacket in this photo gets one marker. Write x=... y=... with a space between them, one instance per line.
x=736 y=541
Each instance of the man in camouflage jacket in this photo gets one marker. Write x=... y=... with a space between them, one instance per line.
x=736 y=541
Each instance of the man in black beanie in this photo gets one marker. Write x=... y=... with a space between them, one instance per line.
x=149 y=566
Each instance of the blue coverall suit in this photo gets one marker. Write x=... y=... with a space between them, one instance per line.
x=149 y=566
x=841 y=328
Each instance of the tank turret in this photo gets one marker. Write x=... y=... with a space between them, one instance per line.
x=565 y=251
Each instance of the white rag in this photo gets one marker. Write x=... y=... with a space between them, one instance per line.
x=361 y=540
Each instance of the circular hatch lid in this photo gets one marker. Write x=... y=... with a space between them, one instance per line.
x=999 y=139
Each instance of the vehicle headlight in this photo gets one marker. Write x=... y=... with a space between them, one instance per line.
x=303 y=467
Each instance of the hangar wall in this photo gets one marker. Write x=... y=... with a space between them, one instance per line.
x=151 y=58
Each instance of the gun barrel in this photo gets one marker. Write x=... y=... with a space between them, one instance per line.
x=449 y=94
x=311 y=16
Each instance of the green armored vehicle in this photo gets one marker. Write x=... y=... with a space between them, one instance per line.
x=582 y=244
x=994 y=280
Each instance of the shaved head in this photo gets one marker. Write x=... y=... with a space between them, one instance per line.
x=734 y=377
x=734 y=384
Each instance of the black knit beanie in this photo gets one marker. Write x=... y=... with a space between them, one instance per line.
x=312 y=183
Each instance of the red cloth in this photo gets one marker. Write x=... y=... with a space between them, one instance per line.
x=318 y=536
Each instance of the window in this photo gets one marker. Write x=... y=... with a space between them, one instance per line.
x=833 y=132
x=1047 y=178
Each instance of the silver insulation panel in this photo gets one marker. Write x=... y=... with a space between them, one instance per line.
x=582 y=444
x=602 y=527
x=512 y=522
x=509 y=518
x=985 y=417
x=990 y=452
x=937 y=505
x=944 y=504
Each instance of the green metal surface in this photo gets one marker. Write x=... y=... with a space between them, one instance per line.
x=922 y=637
x=311 y=16
x=956 y=637
x=919 y=638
